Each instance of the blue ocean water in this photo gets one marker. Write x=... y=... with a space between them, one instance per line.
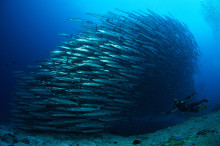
x=28 y=32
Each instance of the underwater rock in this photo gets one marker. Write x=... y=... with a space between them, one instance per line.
x=9 y=138
x=106 y=73
x=25 y=140
x=205 y=131
x=136 y=142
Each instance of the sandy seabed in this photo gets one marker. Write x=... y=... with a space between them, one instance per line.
x=197 y=131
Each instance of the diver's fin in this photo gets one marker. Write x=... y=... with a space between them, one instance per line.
x=202 y=106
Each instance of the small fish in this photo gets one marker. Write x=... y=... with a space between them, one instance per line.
x=77 y=19
x=65 y=34
x=64 y=101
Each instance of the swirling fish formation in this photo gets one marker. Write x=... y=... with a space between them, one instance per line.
x=93 y=79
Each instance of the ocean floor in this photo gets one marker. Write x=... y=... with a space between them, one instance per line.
x=199 y=131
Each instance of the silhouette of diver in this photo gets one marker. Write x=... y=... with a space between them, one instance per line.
x=184 y=107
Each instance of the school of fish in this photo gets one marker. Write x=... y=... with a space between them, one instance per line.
x=93 y=78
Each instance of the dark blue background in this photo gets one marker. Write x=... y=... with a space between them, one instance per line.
x=27 y=32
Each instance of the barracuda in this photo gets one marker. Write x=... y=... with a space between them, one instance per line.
x=97 y=76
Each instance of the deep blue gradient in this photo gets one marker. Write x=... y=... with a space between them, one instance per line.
x=28 y=32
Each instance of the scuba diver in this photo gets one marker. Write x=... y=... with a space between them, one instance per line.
x=184 y=107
